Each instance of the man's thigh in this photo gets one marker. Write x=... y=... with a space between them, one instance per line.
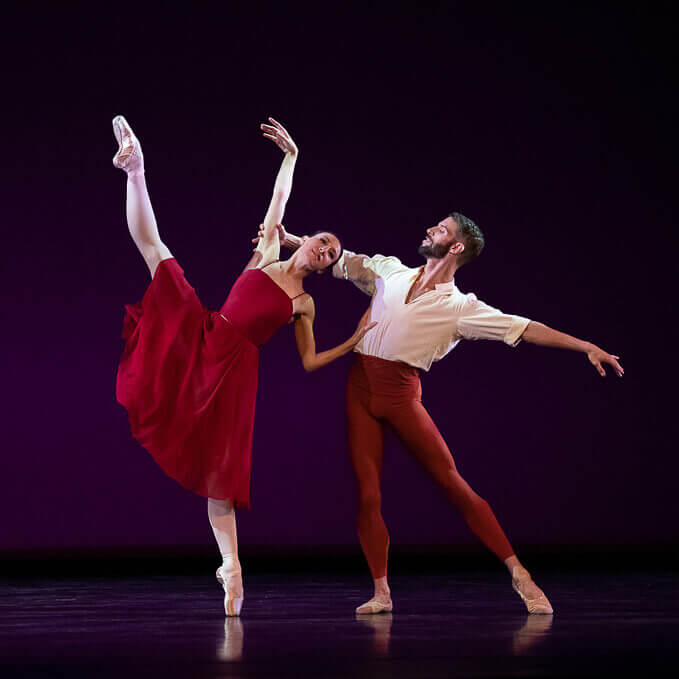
x=365 y=436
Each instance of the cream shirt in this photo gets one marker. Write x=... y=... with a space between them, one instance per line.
x=427 y=328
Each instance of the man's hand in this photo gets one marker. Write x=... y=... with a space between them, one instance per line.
x=287 y=240
x=282 y=234
x=598 y=356
x=539 y=333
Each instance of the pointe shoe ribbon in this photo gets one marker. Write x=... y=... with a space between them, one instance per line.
x=232 y=583
x=537 y=604
x=375 y=606
x=129 y=156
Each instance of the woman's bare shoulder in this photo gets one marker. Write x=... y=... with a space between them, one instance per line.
x=304 y=306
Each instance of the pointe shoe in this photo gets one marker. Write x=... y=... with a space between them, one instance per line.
x=233 y=591
x=375 y=606
x=129 y=156
x=536 y=603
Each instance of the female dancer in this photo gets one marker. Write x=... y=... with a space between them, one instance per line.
x=188 y=376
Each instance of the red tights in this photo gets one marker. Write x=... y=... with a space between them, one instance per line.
x=380 y=392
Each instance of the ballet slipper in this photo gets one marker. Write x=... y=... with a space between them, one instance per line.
x=129 y=156
x=232 y=582
x=536 y=602
x=375 y=606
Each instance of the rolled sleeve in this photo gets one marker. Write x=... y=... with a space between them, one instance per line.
x=362 y=270
x=481 y=321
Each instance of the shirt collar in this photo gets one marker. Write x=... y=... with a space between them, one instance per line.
x=441 y=287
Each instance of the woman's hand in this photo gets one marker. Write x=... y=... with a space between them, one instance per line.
x=280 y=136
x=306 y=343
x=598 y=356
x=362 y=328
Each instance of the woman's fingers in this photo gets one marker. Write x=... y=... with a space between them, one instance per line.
x=278 y=125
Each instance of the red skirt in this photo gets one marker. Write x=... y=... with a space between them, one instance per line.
x=188 y=379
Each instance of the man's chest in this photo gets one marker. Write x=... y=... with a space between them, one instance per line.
x=416 y=291
x=401 y=300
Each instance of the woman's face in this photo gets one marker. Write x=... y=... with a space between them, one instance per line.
x=321 y=251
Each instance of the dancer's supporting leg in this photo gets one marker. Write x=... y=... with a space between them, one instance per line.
x=144 y=231
x=365 y=448
x=222 y=517
x=140 y=218
x=417 y=431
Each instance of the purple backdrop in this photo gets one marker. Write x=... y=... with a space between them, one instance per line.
x=552 y=128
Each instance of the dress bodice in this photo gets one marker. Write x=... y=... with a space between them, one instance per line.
x=257 y=306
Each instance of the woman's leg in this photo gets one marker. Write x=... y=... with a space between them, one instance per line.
x=140 y=218
x=222 y=516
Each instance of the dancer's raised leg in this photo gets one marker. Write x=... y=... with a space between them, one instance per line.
x=140 y=218
x=222 y=517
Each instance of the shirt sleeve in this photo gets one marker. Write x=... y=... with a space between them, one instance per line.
x=481 y=321
x=362 y=270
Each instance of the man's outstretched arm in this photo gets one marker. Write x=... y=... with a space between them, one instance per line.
x=361 y=270
x=538 y=333
x=478 y=320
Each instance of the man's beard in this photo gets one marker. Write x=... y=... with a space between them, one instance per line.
x=433 y=250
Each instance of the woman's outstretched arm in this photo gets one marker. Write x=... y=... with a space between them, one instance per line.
x=306 y=343
x=269 y=246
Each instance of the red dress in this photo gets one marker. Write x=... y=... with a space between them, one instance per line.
x=188 y=377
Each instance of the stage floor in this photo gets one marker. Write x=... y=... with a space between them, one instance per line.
x=458 y=625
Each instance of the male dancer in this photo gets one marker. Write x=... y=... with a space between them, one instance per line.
x=421 y=316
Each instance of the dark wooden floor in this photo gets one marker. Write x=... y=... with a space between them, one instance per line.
x=460 y=625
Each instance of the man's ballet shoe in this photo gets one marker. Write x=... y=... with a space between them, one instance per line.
x=233 y=591
x=129 y=156
x=537 y=603
x=375 y=606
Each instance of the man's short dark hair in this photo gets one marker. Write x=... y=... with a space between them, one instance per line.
x=470 y=235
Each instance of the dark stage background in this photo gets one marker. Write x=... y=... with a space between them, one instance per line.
x=552 y=127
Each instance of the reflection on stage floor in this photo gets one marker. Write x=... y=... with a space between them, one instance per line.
x=463 y=624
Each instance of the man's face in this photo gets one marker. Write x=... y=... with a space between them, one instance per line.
x=439 y=239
